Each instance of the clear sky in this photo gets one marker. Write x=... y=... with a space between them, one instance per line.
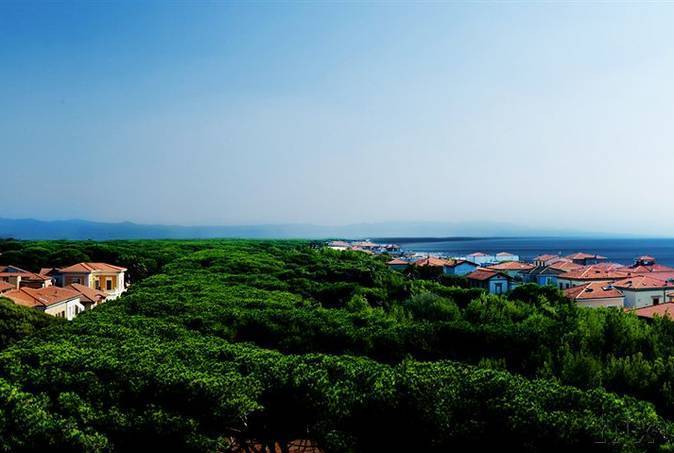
x=552 y=115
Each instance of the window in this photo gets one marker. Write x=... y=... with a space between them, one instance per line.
x=656 y=300
x=498 y=288
x=108 y=284
x=76 y=280
x=98 y=284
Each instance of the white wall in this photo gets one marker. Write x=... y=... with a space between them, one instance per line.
x=609 y=302
x=71 y=308
x=638 y=299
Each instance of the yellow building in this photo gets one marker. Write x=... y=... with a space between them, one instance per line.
x=99 y=276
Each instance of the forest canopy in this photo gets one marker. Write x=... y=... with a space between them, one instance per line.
x=223 y=344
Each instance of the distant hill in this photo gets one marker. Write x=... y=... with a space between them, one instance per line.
x=84 y=229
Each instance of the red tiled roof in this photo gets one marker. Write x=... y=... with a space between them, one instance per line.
x=593 y=290
x=646 y=258
x=595 y=272
x=13 y=271
x=86 y=268
x=641 y=269
x=478 y=254
x=87 y=294
x=397 y=261
x=431 y=261
x=642 y=282
x=4 y=287
x=511 y=266
x=546 y=257
x=42 y=297
x=564 y=265
x=584 y=256
x=504 y=254
x=484 y=274
x=666 y=309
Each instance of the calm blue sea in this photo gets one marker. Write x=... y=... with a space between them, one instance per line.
x=617 y=250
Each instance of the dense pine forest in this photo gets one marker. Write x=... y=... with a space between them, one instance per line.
x=244 y=345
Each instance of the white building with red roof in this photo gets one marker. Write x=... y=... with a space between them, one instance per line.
x=644 y=290
x=596 y=294
x=60 y=302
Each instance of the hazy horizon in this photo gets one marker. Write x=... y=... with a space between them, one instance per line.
x=549 y=116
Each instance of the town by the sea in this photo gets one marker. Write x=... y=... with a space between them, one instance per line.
x=622 y=251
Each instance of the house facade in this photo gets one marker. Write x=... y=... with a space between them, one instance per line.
x=493 y=281
x=21 y=278
x=99 y=276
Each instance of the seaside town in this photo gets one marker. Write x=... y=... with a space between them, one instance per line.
x=63 y=292
x=645 y=287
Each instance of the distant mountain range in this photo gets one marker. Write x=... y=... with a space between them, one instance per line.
x=84 y=229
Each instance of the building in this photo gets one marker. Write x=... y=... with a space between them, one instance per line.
x=506 y=256
x=596 y=294
x=512 y=268
x=100 y=276
x=585 y=259
x=339 y=245
x=493 y=281
x=55 y=301
x=542 y=275
x=480 y=258
x=21 y=278
x=397 y=264
x=546 y=260
x=459 y=267
x=644 y=290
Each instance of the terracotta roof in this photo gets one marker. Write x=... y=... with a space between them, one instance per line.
x=397 y=261
x=484 y=274
x=42 y=297
x=546 y=257
x=88 y=294
x=564 y=265
x=86 y=268
x=584 y=256
x=504 y=254
x=646 y=258
x=431 y=261
x=642 y=282
x=593 y=290
x=13 y=271
x=641 y=269
x=511 y=266
x=4 y=287
x=595 y=272
x=666 y=309
x=478 y=254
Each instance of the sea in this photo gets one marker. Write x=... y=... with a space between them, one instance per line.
x=622 y=251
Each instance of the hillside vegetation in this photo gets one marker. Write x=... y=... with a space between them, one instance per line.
x=220 y=344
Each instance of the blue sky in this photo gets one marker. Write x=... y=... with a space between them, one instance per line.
x=547 y=115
